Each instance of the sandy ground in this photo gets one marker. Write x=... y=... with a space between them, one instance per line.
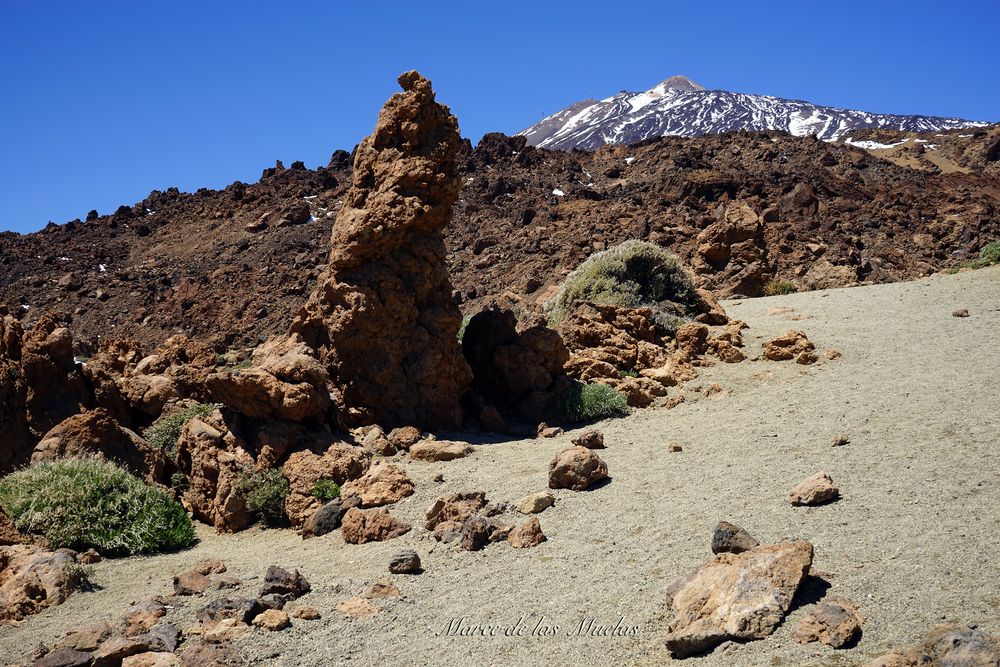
x=913 y=541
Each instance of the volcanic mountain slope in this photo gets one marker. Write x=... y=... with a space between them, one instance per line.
x=680 y=107
x=232 y=266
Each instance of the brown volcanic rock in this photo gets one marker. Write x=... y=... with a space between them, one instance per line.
x=455 y=507
x=946 y=646
x=790 y=345
x=375 y=525
x=576 y=468
x=382 y=316
x=734 y=596
x=285 y=382
x=834 y=621
x=32 y=578
x=96 y=434
x=340 y=463
x=383 y=484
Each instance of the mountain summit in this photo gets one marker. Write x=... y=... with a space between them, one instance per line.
x=679 y=106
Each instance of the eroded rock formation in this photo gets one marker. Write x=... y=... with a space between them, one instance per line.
x=382 y=316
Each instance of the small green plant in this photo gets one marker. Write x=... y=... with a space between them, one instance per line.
x=178 y=481
x=633 y=274
x=589 y=402
x=164 y=432
x=87 y=503
x=82 y=576
x=326 y=490
x=240 y=365
x=264 y=492
x=780 y=287
x=627 y=373
x=990 y=253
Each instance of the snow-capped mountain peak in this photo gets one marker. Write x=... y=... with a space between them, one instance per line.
x=679 y=106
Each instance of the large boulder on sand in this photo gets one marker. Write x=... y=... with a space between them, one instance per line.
x=32 y=578
x=576 y=468
x=382 y=316
x=734 y=596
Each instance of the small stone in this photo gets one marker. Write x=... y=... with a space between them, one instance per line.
x=306 y=613
x=832 y=354
x=839 y=440
x=242 y=611
x=675 y=447
x=546 y=431
x=191 y=583
x=374 y=525
x=324 y=520
x=576 y=468
x=273 y=601
x=209 y=566
x=284 y=582
x=475 y=532
x=223 y=583
x=730 y=538
x=272 y=620
x=438 y=478
x=814 y=490
x=143 y=615
x=528 y=534
x=405 y=561
x=64 y=657
x=591 y=439
x=88 y=557
x=961 y=312
x=404 y=437
x=439 y=450
x=207 y=654
x=536 y=502
x=834 y=622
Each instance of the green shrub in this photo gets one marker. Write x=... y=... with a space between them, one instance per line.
x=87 y=503
x=633 y=274
x=465 y=323
x=779 y=287
x=164 y=432
x=589 y=402
x=990 y=253
x=627 y=373
x=326 y=490
x=264 y=492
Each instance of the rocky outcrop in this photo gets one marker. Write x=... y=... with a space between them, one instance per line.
x=732 y=252
x=734 y=596
x=382 y=318
x=339 y=463
x=96 y=434
x=517 y=371
x=284 y=382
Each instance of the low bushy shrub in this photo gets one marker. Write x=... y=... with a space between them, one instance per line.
x=87 y=503
x=990 y=253
x=326 y=490
x=164 y=432
x=589 y=402
x=633 y=274
x=779 y=287
x=264 y=492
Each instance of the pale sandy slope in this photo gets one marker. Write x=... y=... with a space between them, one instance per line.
x=913 y=542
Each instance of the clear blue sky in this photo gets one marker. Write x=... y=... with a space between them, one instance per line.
x=104 y=101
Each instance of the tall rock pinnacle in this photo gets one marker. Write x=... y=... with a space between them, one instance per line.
x=382 y=317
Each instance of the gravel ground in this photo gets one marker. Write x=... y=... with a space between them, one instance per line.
x=912 y=541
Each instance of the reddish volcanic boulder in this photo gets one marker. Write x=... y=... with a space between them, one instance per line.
x=96 y=434
x=576 y=468
x=340 y=463
x=382 y=317
x=376 y=525
x=32 y=578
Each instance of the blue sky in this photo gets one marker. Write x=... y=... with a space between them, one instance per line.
x=104 y=101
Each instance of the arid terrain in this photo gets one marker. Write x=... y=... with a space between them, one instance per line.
x=910 y=541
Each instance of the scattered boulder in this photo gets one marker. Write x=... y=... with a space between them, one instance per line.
x=734 y=597
x=840 y=440
x=535 y=502
x=143 y=615
x=306 y=613
x=576 y=468
x=279 y=581
x=324 y=520
x=210 y=654
x=375 y=441
x=89 y=637
x=474 y=533
x=241 y=611
x=382 y=317
x=946 y=646
x=814 y=490
x=455 y=507
x=730 y=538
x=961 y=312
x=191 y=583
x=404 y=437
x=64 y=657
x=405 y=561
x=374 y=525
x=528 y=534
x=591 y=439
x=546 y=431
x=835 y=622
x=790 y=345
x=272 y=620
x=439 y=450
x=33 y=578
x=383 y=484
x=382 y=589
x=209 y=566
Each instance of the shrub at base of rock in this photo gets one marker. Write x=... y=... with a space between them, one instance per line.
x=340 y=463
x=576 y=468
x=375 y=525
x=734 y=597
x=87 y=503
x=590 y=402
